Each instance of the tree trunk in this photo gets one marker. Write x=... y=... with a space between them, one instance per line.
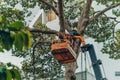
x=70 y=69
x=61 y=15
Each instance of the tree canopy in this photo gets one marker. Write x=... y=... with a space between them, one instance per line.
x=11 y=29
x=99 y=24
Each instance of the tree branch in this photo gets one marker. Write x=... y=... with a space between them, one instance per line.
x=43 y=31
x=84 y=17
x=113 y=18
x=61 y=15
x=67 y=27
x=57 y=13
x=50 y=5
x=103 y=11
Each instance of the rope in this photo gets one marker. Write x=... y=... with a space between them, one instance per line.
x=85 y=65
x=103 y=70
x=90 y=65
x=86 y=61
x=81 y=66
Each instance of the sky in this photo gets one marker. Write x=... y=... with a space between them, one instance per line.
x=110 y=65
x=7 y=57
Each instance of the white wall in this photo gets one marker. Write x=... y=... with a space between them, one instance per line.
x=7 y=57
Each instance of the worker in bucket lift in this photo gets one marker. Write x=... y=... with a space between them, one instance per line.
x=73 y=39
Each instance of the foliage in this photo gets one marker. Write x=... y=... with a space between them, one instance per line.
x=15 y=37
x=112 y=47
x=20 y=40
x=11 y=30
x=107 y=2
x=101 y=31
x=39 y=61
x=105 y=33
x=44 y=64
x=29 y=4
x=72 y=13
x=9 y=74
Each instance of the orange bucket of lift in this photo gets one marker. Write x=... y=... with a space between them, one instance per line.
x=63 y=52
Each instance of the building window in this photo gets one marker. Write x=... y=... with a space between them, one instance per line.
x=117 y=73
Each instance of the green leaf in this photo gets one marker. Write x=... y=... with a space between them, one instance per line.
x=18 y=25
x=4 y=69
x=6 y=40
x=9 y=64
x=28 y=41
x=3 y=76
x=0 y=2
x=16 y=74
x=1 y=49
x=9 y=76
x=0 y=18
x=25 y=39
x=12 y=73
x=18 y=41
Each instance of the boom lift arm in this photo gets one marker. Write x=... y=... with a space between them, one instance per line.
x=95 y=62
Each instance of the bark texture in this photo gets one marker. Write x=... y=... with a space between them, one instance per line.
x=70 y=69
x=84 y=17
x=61 y=15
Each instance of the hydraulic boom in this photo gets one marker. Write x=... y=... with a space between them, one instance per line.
x=95 y=62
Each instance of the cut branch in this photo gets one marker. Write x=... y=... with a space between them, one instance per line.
x=43 y=31
x=103 y=11
x=51 y=6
